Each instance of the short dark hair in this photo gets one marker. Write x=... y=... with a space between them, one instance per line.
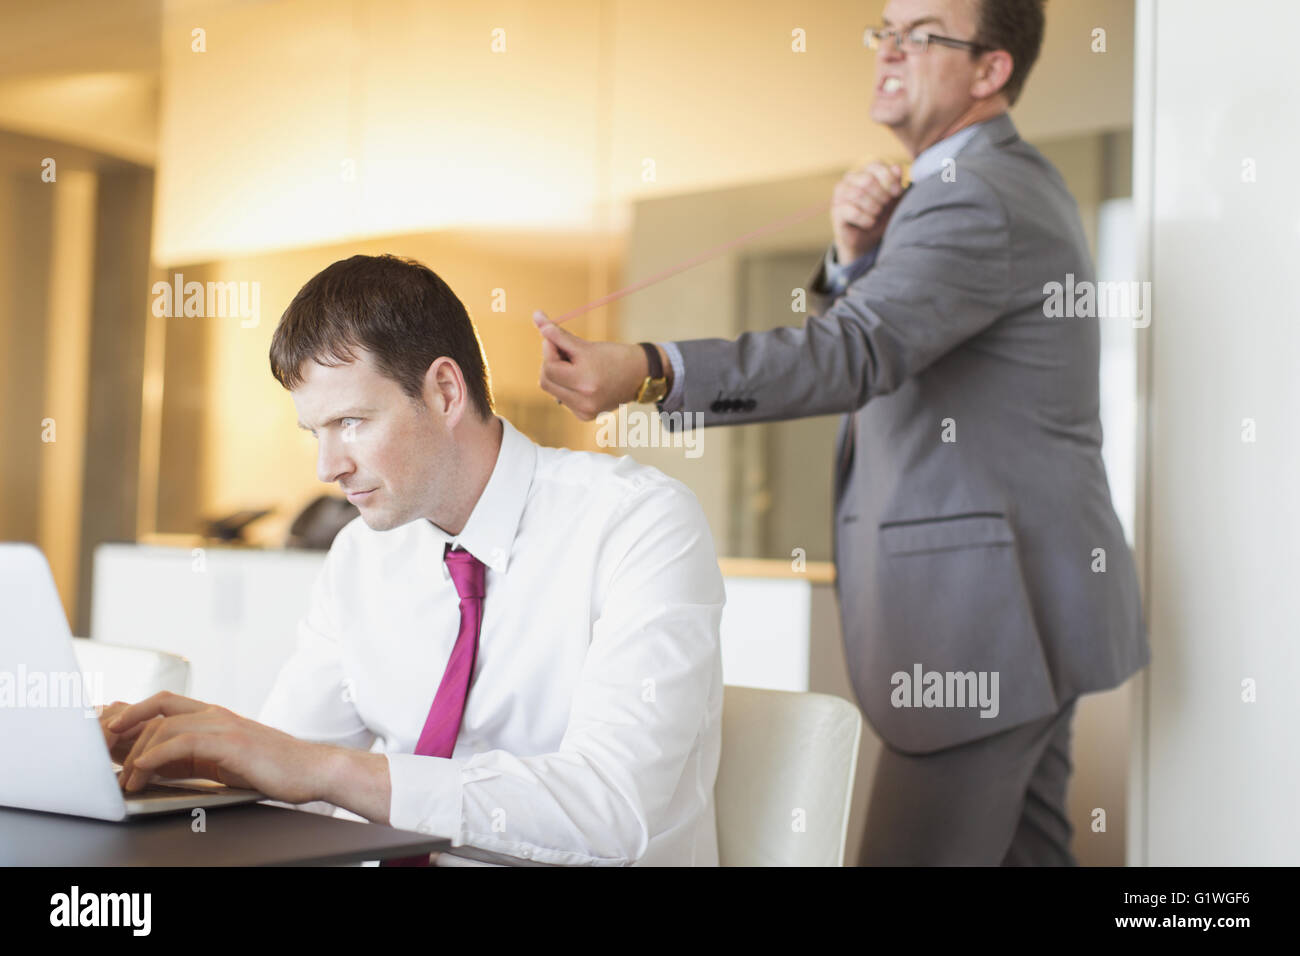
x=397 y=309
x=1015 y=26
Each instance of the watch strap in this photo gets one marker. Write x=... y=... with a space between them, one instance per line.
x=652 y=357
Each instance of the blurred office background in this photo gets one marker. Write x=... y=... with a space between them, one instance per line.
x=535 y=156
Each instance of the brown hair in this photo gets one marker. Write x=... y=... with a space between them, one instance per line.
x=1015 y=26
x=396 y=309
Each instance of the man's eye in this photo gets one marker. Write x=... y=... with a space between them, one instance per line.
x=349 y=422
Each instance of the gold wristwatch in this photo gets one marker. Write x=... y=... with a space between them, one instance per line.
x=655 y=386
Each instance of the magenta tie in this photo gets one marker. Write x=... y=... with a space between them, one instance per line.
x=438 y=739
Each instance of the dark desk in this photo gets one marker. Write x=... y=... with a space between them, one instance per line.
x=249 y=835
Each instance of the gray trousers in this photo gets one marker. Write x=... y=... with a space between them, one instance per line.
x=999 y=800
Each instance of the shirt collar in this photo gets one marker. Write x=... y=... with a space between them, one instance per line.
x=931 y=159
x=489 y=534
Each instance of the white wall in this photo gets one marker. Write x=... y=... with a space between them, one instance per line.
x=1219 y=219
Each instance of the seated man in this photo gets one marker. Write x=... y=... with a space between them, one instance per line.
x=531 y=633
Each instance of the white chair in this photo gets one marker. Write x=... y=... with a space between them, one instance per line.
x=785 y=778
x=113 y=672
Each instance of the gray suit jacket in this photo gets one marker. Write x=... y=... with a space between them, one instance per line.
x=972 y=513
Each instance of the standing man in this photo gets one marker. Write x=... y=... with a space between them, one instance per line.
x=983 y=577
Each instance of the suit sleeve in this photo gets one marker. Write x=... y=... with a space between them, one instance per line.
x=942 y=276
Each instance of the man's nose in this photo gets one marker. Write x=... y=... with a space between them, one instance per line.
x=891 y=49
x=332 y=460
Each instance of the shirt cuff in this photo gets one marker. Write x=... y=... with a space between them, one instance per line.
x=673 y=400
x=838 y=275
x=426 y=795
x=833 y=270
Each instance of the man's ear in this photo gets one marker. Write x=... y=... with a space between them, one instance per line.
x=994 y=74
x=444 y=389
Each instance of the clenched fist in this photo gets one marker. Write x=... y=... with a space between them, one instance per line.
x=861 y=206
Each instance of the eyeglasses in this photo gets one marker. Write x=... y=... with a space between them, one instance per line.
x=915 y=41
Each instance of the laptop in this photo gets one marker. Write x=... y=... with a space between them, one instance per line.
x=52 y=750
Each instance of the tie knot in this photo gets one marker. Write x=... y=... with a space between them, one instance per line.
x=466 y=573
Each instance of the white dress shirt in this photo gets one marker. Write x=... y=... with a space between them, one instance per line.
x=592 y=728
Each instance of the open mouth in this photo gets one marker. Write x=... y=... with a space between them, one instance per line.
x=890 y=86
